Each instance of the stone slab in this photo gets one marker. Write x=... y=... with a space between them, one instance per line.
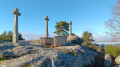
x=46 y=41
x=60 y=40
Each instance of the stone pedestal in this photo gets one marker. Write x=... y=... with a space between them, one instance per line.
x=60 y=40
x=46 y=41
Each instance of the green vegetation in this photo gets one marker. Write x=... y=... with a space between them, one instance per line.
x=62 y=28
x=27 y=65
x=3 y=58
x=91 y=46
x=7 y=36
x=69 y=52
x=2 y=61
x=6 y=58
x=87 y=37
x=113 y=50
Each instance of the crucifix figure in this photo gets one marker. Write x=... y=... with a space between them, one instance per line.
x=15 y=32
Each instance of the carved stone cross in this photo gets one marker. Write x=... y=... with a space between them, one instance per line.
x=15 y=32
x=46 y=26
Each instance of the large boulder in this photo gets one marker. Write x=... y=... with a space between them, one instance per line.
x=108 y=60
x=74 y=39
x=117 y=60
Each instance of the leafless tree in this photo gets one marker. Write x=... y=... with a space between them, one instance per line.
x=113 y=24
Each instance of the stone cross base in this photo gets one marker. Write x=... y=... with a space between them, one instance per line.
x=60 y=40
x=46 y=41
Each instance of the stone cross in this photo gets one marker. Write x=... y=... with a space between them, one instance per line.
x=15 y=32
x=46 y=26
x=70 y=28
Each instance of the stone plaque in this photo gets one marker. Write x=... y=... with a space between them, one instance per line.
x=60 y=40
x=46 y=41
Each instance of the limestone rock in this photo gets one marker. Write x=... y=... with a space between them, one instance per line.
x=6 y=47
x=108 y=60
x=19 y=51
x=74 y=39
x=77 y=56
x=8 y=53
x=117 y=60
x=78 y=62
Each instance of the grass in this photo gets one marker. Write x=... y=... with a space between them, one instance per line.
x=2 y=61
x=27 y=65
x=68 y=52
x=5 y=58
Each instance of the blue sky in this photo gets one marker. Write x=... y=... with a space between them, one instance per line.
x=86 y=15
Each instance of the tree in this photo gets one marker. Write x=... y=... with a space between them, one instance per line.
x=113 y=24
x=0 y=37
x=62 y=28
x=20 y=36
x=9 y=36
x=3 y=36
x=87 y=37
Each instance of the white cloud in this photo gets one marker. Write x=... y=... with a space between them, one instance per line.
x=102 y=38
x=96 y=37
x=33 y=36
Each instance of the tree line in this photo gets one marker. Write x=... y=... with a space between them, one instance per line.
x=8 y=36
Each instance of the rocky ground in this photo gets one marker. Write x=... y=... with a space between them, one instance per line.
x=23 y=53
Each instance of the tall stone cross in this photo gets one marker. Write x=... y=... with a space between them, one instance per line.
x=15 y=32
x=46 y=26
x=70 y=28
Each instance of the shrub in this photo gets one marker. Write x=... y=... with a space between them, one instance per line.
x=91 y=46
x=113 y=50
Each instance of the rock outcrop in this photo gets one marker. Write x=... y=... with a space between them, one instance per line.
x=117 y=60
x=74 y=39
x=108 y=60
x=38 y=56
x=116 y=66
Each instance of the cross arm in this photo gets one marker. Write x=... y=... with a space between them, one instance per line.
x=14 y=12
x=19 y=14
